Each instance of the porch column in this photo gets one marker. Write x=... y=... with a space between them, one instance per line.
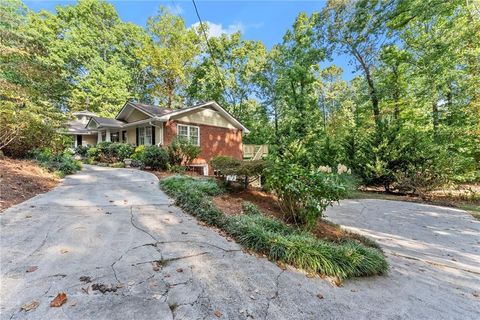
x=99 y=137
x=76 y=139
x=107 y=137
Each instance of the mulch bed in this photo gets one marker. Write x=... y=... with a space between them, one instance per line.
x=21 y=180
x=231 y=204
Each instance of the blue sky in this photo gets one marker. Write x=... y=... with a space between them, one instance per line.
x=258 y=20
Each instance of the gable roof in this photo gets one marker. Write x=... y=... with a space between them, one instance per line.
x=164 y=114
x=105 y=122
x=211 y=104
x=148 y=109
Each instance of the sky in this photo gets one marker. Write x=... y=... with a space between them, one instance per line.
x=266 y=21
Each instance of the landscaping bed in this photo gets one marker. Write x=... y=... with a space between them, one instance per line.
x=233 y=204
x=342 y=258
x=22 y=180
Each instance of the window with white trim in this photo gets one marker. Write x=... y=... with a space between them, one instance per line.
x=145 y=136
x=189 y=133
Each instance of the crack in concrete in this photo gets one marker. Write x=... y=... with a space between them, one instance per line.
x=45 y=239
x=275 y=296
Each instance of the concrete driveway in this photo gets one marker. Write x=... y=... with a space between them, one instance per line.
x=112 y=241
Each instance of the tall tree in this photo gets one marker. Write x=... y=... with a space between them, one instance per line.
x=357 y=29
x=169 y=57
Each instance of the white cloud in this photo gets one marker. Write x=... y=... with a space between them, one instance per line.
x=216 y=30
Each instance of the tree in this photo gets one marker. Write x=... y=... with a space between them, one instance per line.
x=97 y=52
x=357 y=29
x=169 y=56
x=28 y=85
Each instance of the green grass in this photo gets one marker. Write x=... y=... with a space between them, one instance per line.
x=275 y=239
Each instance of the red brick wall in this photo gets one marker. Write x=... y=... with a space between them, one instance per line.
x=213 y=141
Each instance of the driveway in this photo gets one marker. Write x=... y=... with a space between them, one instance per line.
x=113 y=242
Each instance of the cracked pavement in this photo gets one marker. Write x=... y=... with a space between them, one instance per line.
x=146 y=258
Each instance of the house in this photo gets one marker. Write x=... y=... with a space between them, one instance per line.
x=207 y=125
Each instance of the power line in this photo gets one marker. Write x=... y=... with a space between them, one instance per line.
x=209 y=48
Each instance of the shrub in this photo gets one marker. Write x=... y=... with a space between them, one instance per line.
x=273 y=238
x=226 y=165
x=138 y=152
x=119 y=151
x=304 y=194
x=62 y=164
x=92 y=153
x=81 y=150
x=154 y=157
x=182 y=152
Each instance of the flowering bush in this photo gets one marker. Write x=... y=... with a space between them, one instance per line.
x=303 y=193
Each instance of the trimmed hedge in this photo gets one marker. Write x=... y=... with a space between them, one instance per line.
x=280 y=242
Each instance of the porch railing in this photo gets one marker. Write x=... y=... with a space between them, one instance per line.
x=254 y=151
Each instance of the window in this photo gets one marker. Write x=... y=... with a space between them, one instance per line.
x=148 y=136
x=115 y=137
x=124 y=136
x=189 y=133
x=145 y=136
x=141 y=136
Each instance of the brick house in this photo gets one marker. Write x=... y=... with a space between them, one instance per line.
x=207 y=125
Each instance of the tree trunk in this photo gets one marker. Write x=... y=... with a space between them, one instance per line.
x=435 y=120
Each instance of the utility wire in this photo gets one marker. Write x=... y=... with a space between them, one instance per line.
x=209 y=48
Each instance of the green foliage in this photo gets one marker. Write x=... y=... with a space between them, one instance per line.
x=118 y=165
x=154 y=157
x=138 y=152
x=182 y=152
x=120 y=151
x=81 y=150
x=250 y=208
x=272 y=237
x=225 y=165
x=62 y=164
x=110 y=152
x=304 y=194
x=92 y=153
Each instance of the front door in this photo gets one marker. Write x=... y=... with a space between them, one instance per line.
x=79 y=140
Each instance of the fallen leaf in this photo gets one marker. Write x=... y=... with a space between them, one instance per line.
x=183 y=232
x=476 y=294
x=217 y=313
x=320 y=296
x=73 y=304
x=59 y=300
x=30 y=306
x=63 y=251
x=28 y=216
x=253 y=298
x=85 y=279
x=179 y=270
x=157 y=296
x=31 y=269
